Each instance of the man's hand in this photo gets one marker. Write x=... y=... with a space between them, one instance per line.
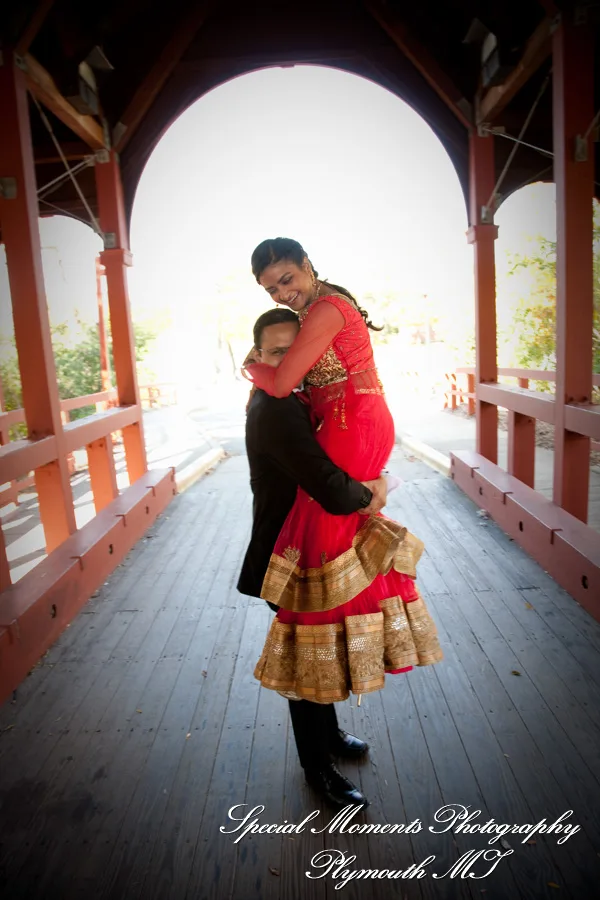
x=379 y=490
x=252 y=357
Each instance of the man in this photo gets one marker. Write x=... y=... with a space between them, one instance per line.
x=284 y=453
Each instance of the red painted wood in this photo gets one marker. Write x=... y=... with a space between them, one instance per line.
x=20 y=234
x=482 y=236
x=573 y=111
x=116 y=261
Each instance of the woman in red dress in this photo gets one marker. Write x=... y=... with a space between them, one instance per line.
x=349 y=610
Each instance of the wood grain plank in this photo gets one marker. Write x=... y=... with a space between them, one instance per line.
x=421 y=793
x=143 y=648
x=258 y=865
x=481 y=723
x=530 y=791
x=381 y=783
x=83 y=808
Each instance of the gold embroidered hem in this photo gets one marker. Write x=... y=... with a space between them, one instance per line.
x=324 y=663
x=380 y=545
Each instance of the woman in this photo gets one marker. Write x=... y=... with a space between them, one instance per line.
x=349 y=607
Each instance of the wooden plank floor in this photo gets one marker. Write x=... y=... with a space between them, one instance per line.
x=122 y=752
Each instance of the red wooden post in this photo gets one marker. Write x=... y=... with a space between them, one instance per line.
x=65 y=418
x=104 y=366
x=448 y=391
x=115 y=258
x=521 y=447
x=521 y=443
x=4 y=433
x=19 y=222
x=573 y=111
x=101 y=465
x=482 y=236
x=5 y=579
x=471 y=390
x=453 y=391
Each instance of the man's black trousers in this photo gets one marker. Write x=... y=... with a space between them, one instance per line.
x=315 y=729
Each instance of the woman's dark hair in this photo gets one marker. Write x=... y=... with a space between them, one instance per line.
x=273 y=250
x=275 y=316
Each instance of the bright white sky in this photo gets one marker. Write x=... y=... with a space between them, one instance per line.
x=328 y=158
x=312 y=153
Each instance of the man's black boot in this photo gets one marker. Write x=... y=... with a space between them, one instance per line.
x=335 y=787
x=349 y=746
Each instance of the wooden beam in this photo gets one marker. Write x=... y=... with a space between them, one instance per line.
x=218 y=65
x=73 y=151
x=552 y=8
x=183 y=35
x=21 y=457
x=42 y=85
x=421 y=59
x=482 y=235
x=97 y=426
x=33 y=26
x=537 y=49
x=5 y=579
x=20 y=232
x=573 y=106
x=520 y=400
x=584 y=419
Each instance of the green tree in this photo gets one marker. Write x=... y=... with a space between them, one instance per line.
x=77 y=365
x=534 y=322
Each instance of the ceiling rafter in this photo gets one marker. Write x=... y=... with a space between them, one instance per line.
x=181 y=38
x=422 y=59
x=537 y=49
x=34 y=24
x=42 y=85
x=72 y=150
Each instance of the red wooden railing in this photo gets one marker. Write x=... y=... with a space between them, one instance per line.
x=151 y=395
x=458 y=393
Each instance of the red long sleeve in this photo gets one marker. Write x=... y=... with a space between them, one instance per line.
x=322 y=324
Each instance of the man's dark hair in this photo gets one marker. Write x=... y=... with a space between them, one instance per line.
x=275 y=316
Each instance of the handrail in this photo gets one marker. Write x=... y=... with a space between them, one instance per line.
x=583 y=417
x=16 y=456
x=529 y=374
x=17 y=416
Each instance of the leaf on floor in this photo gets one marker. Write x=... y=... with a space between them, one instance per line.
x=515 y=672
x=273 y=871
x=553 y=884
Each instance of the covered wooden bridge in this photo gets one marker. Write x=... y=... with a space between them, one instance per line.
x=123 y=750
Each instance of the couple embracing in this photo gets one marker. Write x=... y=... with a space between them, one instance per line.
x=340 y=576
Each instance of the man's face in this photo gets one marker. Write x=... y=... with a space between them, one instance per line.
x=275 y=341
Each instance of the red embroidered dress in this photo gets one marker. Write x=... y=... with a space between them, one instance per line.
x=349 y=607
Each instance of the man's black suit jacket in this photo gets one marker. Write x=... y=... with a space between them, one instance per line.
x=284 y=453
